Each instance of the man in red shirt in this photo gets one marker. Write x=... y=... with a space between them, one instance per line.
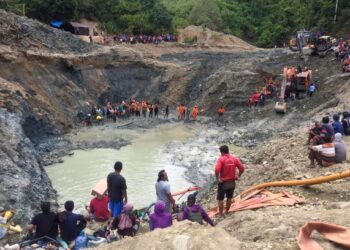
x=99 y=208
x=225 y=172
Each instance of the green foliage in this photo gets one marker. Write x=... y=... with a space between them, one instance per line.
x=262 y=22
x=206 y=13
x=190 y=39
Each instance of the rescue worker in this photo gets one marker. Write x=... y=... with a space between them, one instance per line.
x=144 y=108
x=256 y=99
x=181 y=112
x=221 y=111
x=195 y=112
x=137 y=109
x=250 y=101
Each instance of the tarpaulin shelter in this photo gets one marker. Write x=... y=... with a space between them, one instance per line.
x=56 y=24
x=82 y=29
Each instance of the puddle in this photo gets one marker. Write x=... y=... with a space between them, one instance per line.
x=142 y=160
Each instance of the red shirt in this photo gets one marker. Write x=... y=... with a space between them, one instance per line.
x=226 y=167
x=99 y=208
x=256 y=97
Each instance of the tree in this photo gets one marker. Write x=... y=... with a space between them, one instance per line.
x=206 y=12
x=47 y=10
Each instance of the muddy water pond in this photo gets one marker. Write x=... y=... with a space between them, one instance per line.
x=142 y=159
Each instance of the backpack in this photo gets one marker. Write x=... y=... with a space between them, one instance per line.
x=195 y=216
x=125 y=221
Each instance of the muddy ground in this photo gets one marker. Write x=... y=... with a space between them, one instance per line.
x=47 y=76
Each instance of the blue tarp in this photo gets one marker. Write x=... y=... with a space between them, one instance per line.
x=56 y=23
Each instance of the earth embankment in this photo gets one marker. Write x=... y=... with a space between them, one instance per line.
x=47 y=76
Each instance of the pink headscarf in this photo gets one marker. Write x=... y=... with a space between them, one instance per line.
x=125 y=220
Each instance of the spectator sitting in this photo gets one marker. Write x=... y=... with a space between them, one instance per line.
x=314 y=134
x=340 y=148
x=195 y=212
x=126 y=223
x=70 y=224
x=324 y=154
x=99 y=208
x=337 y=126
x=160 y=218
x=328 y=131
x=45 y=223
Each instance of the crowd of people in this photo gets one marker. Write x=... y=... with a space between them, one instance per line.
x=136 y=39
x=326 y=140
x=123 y=110
x=133 y=108
x=111 y=216
x=342 y=53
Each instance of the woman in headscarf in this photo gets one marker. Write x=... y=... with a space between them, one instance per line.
x=195 y=212
x=340 y=148
x=126 y=223
x=160 y=218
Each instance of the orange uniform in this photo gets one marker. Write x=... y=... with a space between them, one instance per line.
x=221 y=111
x=181 y=111
x=195 y=112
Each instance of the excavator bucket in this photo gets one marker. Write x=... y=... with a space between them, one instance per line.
x=281 y=107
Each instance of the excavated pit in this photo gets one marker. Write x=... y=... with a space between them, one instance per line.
x=42 y=89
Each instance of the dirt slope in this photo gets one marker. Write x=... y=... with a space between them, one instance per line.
x=201 y=36
x=43 y=86
x=184 y=235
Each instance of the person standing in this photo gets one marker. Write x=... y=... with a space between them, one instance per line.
x=225 y=172
x=195 y=112
x=312 y=89
x=150 y=108
x=166 y=115
x=116 y=187
x=163 y=191
x=156 y=110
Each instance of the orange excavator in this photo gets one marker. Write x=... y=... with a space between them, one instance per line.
x=296 y=82
x=281 y=105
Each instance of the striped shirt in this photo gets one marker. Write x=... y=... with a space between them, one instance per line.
x=326 y=149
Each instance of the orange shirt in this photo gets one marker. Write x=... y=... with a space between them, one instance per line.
x=221 y=110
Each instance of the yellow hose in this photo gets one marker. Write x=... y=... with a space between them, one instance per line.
x=305 y=182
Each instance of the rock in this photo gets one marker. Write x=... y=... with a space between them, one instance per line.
x=181 y=236
x=337 y=205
